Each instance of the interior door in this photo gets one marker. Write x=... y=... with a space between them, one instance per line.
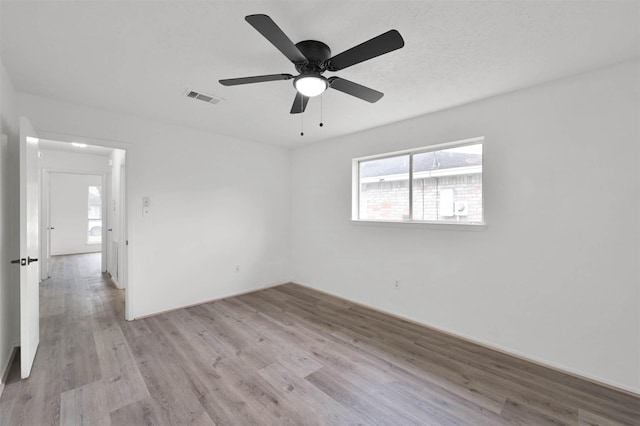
x=29 y=247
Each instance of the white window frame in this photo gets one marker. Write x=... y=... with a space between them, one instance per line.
x=442 y=224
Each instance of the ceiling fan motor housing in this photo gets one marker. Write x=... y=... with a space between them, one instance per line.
x=316 y=53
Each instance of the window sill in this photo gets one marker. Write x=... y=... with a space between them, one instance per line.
x=440 y=226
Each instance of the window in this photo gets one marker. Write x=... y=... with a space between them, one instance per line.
x=438 y=184
x=94 y=233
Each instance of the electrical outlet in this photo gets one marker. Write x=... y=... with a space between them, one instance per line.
x=396 y=284
x=237 y=268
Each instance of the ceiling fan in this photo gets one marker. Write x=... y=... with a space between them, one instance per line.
x=312 y=58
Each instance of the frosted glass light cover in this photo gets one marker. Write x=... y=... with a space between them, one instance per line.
x=311 y=86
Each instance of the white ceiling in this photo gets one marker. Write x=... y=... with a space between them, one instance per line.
x=138 y=57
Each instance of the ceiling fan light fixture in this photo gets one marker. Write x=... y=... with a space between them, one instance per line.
x=310 y=85
x=311 y=58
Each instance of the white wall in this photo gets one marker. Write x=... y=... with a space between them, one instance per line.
x=9 y=290
x=71 y=162
x=555 y=275
x=216 y=202
x=69 y=198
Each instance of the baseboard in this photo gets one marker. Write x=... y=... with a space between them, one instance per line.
x=229 y=296
x=76 y=253
x=5 y=370
x=113 y=280
x=491 y=346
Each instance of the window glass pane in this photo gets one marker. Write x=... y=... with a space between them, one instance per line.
x=95 y=215
x=447 y=185
x=384 y=189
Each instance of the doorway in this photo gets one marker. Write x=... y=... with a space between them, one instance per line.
x=82 y=206
x=38 y=159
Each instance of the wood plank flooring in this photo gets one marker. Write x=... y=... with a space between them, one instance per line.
x=281 y=356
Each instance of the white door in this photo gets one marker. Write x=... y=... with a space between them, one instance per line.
x=29 y=242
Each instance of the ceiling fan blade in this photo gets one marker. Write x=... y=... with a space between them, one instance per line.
x=276 y=36
x=355 y=89
x=299 y=103
x=384 y=43
x=255 y=79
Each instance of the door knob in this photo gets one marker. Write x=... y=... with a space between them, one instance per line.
x=20 y=262
x=31 y=259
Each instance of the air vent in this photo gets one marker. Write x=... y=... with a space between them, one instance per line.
x=202 y=97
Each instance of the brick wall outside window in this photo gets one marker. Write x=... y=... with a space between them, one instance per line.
x=390 y=200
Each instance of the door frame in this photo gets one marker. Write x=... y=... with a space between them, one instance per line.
x=45 y=225
x=126 y=213
x=122 y=259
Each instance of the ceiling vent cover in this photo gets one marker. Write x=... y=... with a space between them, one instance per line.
x=202 y=97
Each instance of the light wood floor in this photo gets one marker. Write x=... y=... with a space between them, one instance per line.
x=286 y=355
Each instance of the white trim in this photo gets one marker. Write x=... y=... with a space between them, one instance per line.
x=5 y=370
x=441 y=226
x=355 y=190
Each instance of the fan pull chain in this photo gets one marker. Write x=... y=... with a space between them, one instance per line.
x=301 y=116
x=321 y=123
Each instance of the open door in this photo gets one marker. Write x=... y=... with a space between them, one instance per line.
x=29 y=246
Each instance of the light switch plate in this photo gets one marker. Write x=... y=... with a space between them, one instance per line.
x=146 y=206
